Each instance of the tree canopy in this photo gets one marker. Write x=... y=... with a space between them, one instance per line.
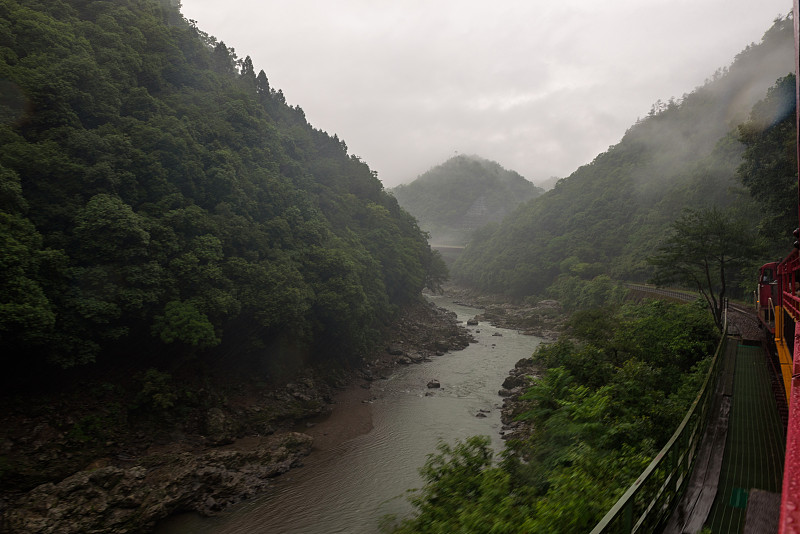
x=704 y=249
x=159 y=199
x=769 y=164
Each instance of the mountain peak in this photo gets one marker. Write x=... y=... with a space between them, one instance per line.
x=462 y=194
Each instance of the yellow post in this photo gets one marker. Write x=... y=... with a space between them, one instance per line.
x=784 y=354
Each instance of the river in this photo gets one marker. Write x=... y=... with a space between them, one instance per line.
x=349 y=488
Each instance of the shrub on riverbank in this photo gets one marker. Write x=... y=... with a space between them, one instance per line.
x=616 y=386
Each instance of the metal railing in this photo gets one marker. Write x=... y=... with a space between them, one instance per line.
x=647 y=504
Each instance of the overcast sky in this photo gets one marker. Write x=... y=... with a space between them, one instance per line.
x=541 y=87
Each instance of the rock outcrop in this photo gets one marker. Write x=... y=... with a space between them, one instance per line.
x=519 y=380
x=77 y=464
x=120 y=500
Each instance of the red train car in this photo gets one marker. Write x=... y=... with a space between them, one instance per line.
x=779 y=311
x=767 y=295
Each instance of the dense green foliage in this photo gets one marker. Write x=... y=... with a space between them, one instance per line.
x=613 y=392
x=578 y=293
x=704 y=251
x=769 y=163
x=607 y=216
x=464 y=193
x=159 y=200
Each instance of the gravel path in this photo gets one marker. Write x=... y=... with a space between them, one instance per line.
x=745 y=323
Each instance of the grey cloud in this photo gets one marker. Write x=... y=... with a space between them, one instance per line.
x=541 y=87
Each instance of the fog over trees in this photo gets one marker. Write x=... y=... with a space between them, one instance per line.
x=607 y=216
x=453 y=199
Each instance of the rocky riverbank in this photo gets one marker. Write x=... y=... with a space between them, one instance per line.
x=131 y=499
x=544 y=319
x=94 y=459
x=540 y=318
x=519 y=380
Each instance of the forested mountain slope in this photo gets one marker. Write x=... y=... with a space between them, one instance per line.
x=609 y=214
x=464 y=193
x=160 y=201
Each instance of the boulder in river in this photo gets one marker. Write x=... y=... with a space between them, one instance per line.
x=434 y=384
x=442 y=345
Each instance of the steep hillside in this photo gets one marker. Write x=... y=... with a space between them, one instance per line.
x=464 y=193
x=609 y=214
x=161 y=203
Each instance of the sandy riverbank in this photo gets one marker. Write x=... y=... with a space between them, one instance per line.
x=350 y=417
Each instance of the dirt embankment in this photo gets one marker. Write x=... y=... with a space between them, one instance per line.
x=94 y=459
